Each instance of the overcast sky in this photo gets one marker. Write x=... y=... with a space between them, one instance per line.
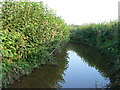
x=84 y=11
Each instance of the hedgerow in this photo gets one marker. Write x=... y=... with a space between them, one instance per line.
x=104 y=36
x=30 y=34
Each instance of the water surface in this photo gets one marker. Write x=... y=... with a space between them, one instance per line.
x=78 y=66
x=80 y=75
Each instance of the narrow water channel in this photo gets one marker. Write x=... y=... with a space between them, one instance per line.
x=80 y=75
x=78 y=66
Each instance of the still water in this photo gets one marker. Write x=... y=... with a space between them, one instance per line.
x=78 y=66
x=80 y=75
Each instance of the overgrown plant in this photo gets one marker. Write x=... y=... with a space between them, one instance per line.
x=30 y=34
x=104 y=36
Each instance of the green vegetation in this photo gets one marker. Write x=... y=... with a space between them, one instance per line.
x=30 y=34
x=103 y=36
x=47 y=76
x=94 y=59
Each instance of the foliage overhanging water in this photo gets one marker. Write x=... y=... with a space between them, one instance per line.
x=78 y=66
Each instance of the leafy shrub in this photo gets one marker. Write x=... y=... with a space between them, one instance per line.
x=104 y=36
x=30 y=34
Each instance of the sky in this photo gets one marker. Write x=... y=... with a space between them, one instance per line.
x=84 y=11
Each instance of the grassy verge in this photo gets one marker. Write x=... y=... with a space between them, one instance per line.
x=104 y=36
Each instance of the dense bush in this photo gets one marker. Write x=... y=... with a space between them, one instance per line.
x=30 y=34
x=104 y=36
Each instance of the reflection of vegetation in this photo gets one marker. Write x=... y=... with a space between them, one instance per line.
x=49 y=76
x=92 y=56
x=104 y=36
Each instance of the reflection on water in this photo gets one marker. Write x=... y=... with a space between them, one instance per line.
x=80 y=75
x=78 y=66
